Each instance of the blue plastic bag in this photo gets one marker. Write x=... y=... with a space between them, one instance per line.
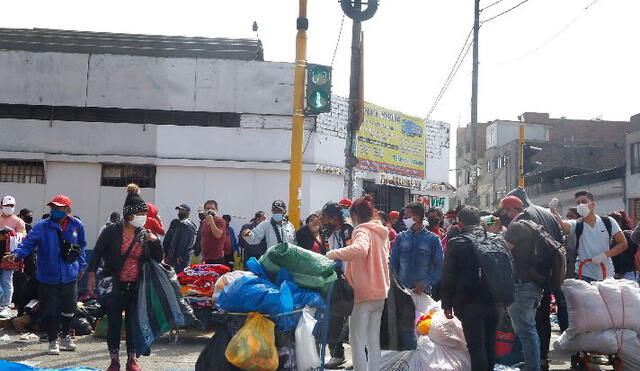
x=256 y=294
x=301 y=298
x=12 y=366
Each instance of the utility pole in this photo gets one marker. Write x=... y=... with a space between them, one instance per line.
x=353 y=9
x=521 y=157
x=297 y=129
x=474 y=81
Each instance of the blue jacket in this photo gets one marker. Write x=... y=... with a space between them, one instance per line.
x=52 y=268
x=417 y=257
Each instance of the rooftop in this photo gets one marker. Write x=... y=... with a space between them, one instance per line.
x=65 y=41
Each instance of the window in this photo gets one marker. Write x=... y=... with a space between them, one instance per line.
x=19 y=171
x=635 y=158
x=121 y=175
x=488 y=166
x=634 y=207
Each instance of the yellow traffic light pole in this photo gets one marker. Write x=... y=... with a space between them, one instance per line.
x=297 y=130
x=521 y=157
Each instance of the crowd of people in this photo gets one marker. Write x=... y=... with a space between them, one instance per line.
x=428 y=252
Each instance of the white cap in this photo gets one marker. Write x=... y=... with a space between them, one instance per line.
x=8 y=200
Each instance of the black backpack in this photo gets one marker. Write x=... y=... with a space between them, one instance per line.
x=550 y=256
x=496 y=265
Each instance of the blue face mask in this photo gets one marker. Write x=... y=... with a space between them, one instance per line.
x=57 y=215
x=278 y=217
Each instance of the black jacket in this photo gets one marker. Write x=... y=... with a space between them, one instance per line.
x=460 y=272
x=625 y=262
x=305 y=238
x=180 y=238
x=108 y=248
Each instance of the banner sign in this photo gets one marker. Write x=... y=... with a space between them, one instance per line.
x=391 y=142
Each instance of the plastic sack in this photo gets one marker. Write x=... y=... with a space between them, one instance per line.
x=225 y=280
x=253 y=348
x=447 y=332
x=308 y=269
x=427 y=356
x=255 y=294
x=603 y=342
x=586 y=309
x=622 y=298
x=212 y=356
x=12 y=366
x=307 y=356
x=423 y=303
x=630 y=352
x=398 y=325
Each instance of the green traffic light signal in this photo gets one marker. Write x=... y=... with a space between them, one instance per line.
x=318 y=89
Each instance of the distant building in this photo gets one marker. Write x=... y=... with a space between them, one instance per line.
x=632 y=179
x=560 y=154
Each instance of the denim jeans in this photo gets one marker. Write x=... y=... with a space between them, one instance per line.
x=6 y=280
x=523 y=317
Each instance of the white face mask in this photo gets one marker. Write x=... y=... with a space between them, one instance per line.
x=408 y=222
x=8 y=210
x=139 y=221
x=583 y=210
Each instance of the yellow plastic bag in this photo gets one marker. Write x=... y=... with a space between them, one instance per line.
x=253 y=348
x=238 y=263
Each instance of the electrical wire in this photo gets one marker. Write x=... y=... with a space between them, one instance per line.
x=454 y=69
x=492 y=4
x=555 y=36
x=505 y=12
x=335 y=51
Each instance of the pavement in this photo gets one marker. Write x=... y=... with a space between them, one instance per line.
x=165 y=356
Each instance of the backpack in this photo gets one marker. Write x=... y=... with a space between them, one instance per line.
x=550 y=255
x=496 y=265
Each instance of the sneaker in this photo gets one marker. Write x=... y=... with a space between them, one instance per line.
x=67 y=344
x=132 y=365
x=114 y=366
x=5 y=312
x=334 y=363
x=54 y=349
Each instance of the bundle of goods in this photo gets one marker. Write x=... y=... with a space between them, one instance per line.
x=604 y=318
x=277 y=333
x=308 y=269
x=197 y=282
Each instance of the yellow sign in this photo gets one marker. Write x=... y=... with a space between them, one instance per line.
x=391 y=142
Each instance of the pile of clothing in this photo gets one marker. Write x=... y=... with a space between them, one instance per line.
x=604 y=318
x=197 y=282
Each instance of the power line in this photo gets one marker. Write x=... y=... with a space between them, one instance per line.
x=505 y=12
x=335 y=51
x=454 y=69
x=555 y=36
x=492 y=4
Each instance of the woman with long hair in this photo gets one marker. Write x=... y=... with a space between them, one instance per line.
x=124 y=246
x=367 y=270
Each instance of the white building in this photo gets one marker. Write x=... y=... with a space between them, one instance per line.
x=188 y=119
x=632 y=178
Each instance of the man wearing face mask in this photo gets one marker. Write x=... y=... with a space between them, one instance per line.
x=9 y=220
x=593 y=237
x=179 y=240
x=213 y=231
x=276 y=230
x=27 y=217
x=416 y=258
x=60 y=242
x=434 y=217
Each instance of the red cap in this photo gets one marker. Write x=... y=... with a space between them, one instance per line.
x=60 y=200
x=394 y=214
x=345 y=202
x=511 y=202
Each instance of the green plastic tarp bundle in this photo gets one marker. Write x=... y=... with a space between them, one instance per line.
x=307 y=268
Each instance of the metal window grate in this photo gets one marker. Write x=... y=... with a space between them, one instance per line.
x=117 y=175
x=634 y=207
x=20 y=171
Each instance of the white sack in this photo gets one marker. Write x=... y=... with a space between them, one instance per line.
x=586 y=308
x=447 y=332
x=630 y=352
x=307 y=357
x=622 y=298
x=604 y=342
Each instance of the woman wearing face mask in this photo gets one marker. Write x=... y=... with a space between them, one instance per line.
x=124 y=246
x=308 y=237
x=367 y=271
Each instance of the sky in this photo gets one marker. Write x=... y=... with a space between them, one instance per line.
x=529 y=59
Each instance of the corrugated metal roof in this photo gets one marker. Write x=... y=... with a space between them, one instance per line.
x=48 y=40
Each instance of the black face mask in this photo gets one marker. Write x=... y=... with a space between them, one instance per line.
x=28 y=219
x=434 y=222
x=182 y=216
x=505 y=220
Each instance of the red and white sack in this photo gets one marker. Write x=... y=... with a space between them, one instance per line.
x=630 y=352
x=603 y=342
x=622 y=299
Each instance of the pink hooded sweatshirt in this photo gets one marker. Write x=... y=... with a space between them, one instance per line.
x=368 y=261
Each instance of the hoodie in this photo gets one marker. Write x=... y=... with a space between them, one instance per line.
x=368 y=261
x=153 y=223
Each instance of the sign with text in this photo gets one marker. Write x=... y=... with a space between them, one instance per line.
x=391 y=142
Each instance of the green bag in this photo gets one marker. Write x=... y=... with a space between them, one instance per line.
x=101 y=328
x=307 y=268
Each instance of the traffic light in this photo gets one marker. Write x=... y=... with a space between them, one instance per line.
x=318 y=89
x=530 y=162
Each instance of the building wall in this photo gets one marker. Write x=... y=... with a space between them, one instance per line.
x=189 y=84
x=500 y=133
x=609 y=197
x=632 y=184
